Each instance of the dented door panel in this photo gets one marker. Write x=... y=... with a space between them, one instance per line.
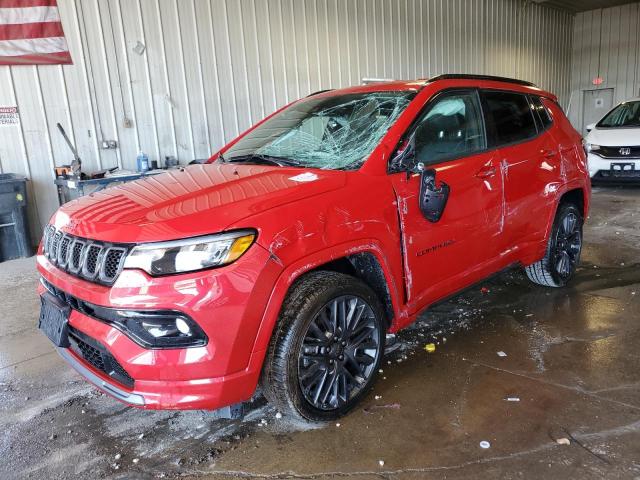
x=467 y=234
x=532 y=176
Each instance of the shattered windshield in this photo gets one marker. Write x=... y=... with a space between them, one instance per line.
x=335 y=132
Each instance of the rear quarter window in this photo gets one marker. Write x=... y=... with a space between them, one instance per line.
x=541 y=111
x=509 y=117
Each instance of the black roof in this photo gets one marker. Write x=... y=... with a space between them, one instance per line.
x=465 y=76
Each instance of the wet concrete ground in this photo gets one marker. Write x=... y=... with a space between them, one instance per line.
x=572 y=362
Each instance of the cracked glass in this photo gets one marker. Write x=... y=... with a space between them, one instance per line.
x=326 y=132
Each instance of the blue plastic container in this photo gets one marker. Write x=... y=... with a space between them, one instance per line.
x=143 y=162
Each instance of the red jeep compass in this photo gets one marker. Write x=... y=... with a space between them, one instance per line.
x=286 y=259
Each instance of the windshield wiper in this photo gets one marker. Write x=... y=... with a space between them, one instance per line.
x=263 y=159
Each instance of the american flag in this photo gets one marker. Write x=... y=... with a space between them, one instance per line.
x=31 y=33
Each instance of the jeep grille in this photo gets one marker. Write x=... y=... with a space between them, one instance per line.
x=92 y=260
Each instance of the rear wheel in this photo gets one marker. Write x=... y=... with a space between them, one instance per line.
x=563 y=250
x=327 y=348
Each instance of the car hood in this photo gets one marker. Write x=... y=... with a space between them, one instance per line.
x=196 y=200
x=615 y=137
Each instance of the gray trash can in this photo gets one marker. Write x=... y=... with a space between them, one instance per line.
x=15 y=240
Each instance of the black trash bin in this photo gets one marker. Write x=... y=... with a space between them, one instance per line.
x=15 y=240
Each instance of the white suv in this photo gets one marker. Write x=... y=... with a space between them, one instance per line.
x=613 y=144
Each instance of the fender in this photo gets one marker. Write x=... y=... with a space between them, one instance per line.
x=562 y=189
x=310 y=262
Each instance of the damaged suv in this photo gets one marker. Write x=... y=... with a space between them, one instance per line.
x=287 y=258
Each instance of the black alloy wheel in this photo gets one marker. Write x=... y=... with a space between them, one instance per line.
x=326 y=349
x=564 y=245
x=567 y=245
x=339 y=352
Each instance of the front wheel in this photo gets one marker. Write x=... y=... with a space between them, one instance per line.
x=563 y=250
x=327 y=347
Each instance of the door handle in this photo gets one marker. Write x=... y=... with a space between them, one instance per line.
x=486 y=171
x=549 y=153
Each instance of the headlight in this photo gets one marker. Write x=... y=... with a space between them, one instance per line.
x=592 y=148
x=179 y=256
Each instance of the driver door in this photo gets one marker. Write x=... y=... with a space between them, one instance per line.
x=460 y=247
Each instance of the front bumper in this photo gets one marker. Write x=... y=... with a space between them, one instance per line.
x=104 y=385
x=200 y=394
x=228 y=304
x=608 y=170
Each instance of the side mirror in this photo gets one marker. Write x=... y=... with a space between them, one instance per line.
x=590 y=127
x=433 y=198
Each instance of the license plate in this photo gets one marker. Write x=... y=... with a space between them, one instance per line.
x=623 y=167
x=54 y=319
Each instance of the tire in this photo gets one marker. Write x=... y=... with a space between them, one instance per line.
x=311 y=350
x=563 y=249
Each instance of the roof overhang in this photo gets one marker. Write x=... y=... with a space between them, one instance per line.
x=576 y=6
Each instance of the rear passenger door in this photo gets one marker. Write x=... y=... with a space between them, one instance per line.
x=529 y=163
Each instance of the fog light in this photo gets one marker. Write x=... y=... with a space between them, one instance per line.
x=183 y=326
x=162 y=329
x=166 y=329
x=152 y=329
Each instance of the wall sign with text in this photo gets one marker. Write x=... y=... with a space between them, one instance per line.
x=9 y=116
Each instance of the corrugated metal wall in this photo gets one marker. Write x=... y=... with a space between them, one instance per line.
x=210 y=68
x=606 y=43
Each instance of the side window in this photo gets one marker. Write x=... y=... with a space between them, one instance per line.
x=542 y=112
x=509 y=117
x=451 y=127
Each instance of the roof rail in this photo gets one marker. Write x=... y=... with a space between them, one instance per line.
x=319 y=92
x=465 y=76
x=369 y=81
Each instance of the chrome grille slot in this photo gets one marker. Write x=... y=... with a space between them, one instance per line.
x=91 y=258
x=48 y=237
x=63 y=251
x=99 y=262
x=75 y=259
x=112 y=263
x=53 y=254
